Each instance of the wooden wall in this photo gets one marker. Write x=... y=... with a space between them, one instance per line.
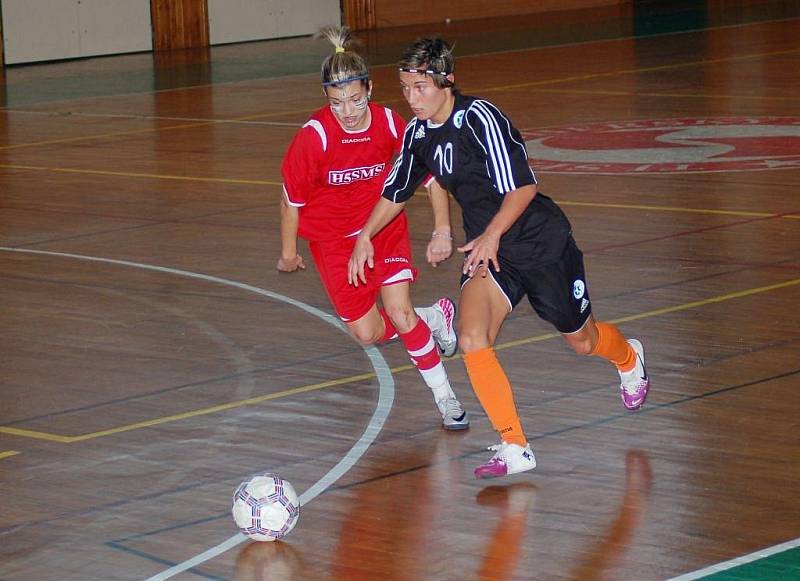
x=363 y=14
x=2 y=56
x=179 y=24
x=359 y=14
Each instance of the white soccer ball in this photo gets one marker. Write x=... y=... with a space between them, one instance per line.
x=266 y=507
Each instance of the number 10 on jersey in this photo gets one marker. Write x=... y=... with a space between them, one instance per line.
x=444 y=155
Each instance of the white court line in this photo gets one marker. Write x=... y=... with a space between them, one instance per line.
x=743 y=560
x=382 y=372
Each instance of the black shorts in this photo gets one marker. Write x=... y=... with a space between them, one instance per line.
x=557 y=291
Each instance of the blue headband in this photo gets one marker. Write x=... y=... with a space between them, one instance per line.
x=345 y=81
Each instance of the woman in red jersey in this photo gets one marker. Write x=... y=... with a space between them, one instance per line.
x=333 y=175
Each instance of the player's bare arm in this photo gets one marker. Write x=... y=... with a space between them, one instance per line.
x=289 y=260
x=483 y=249
x=440 y=248
x=363 y=252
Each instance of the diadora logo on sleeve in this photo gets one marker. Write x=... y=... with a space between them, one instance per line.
x=711 y=144
x=348 y=176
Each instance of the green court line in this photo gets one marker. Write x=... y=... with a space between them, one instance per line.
x=779 y=562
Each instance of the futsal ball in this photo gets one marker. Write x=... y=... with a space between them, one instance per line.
x=266 y=507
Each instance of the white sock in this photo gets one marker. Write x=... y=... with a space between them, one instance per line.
x=436 y=379
x=431 y=316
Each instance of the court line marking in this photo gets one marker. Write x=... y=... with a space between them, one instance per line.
x=235 y=540
x=382 y=373
x=138 y=175
x=385 y=399
x=182 y=416
x=542 y=82
x=590 y=76
x=234 y=121
x=153 y=129
x=271 y=183
x=345 y=380
x=246 y=121
x=8 y=454
x=682 y=210
x=670 y=95
x=743 y=560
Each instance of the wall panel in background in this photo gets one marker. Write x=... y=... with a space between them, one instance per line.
x=392 y=13
x=243 y=20
x=58 y=29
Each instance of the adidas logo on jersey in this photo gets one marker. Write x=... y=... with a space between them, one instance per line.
x=420 y=132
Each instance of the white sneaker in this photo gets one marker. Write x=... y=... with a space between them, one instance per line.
x=508 y=459
x=453 y=415
x=445 y=333
x=634 y=384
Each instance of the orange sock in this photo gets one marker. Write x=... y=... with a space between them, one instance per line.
x=612 y=345
x=493 y=389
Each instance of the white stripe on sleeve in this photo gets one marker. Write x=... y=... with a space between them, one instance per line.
x=495 y=146
x=319 y=129
x=289 y=200
x=390 y=119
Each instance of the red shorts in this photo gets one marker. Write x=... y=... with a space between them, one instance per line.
x=392 y=265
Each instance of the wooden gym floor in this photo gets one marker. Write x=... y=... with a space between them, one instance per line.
x=153 y=358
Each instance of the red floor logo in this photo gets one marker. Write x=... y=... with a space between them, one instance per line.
x=667 y=146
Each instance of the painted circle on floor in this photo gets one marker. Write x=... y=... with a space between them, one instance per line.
x=692 y=144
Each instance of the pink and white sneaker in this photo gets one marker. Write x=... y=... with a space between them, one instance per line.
x=445 y=334
x=508 y=459
x=634 y=384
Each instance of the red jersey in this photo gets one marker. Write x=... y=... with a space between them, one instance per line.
x=336 y=177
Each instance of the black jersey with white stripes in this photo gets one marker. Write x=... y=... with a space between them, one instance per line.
x=479 y=156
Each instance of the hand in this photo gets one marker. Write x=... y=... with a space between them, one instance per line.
x=291 y=264
x=440 y=248
x=363 y=253
x=481 y=252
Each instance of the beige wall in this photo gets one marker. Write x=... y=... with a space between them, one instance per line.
x=392 y=13
x=243 y=20
x=55 y=29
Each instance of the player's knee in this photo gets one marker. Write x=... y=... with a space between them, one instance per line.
x=403 y=317
x=472 y=339
x=581 y=346
x=366 y=336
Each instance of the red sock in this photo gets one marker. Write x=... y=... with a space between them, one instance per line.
x=420 y=346
x=389 y=332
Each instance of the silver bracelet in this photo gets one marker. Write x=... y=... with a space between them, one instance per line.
x=436 y=234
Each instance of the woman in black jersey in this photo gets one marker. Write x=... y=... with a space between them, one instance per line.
x=519 y=242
